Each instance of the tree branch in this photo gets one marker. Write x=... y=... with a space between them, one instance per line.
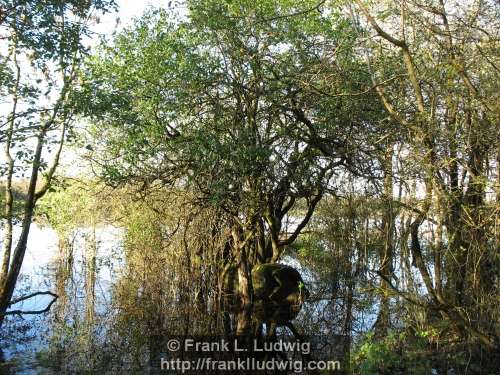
x=303 y=223
x=31 y=312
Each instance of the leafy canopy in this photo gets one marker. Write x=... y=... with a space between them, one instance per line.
x=240 y=102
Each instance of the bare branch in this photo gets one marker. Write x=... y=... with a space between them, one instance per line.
x=31 y=312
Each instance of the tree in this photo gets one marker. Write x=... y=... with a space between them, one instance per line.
x=39 y=64
x=446 y=99
x=248 y=108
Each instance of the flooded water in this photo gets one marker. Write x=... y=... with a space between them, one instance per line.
x=116 y=309
x=47 y=267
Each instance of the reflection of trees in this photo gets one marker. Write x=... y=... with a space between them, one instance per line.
x=90 y=274
x=336 y=252
x=72 y=332
x=169 y=283
x=63 y=274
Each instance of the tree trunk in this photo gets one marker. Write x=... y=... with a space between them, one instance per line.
x=20 y=250
x=9 y=202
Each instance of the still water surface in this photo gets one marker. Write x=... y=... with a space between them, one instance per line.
x=114 y=312
x=22 y=338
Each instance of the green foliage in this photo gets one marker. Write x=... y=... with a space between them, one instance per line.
x=394 y=354
x=71 y=206
x=38 y=27
x=250 y=110
x=19 y=198
x=212 y=103
x=41 y=50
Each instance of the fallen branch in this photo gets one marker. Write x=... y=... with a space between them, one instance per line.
x=31 y=312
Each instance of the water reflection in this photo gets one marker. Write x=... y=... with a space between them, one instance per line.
x=121 y=299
